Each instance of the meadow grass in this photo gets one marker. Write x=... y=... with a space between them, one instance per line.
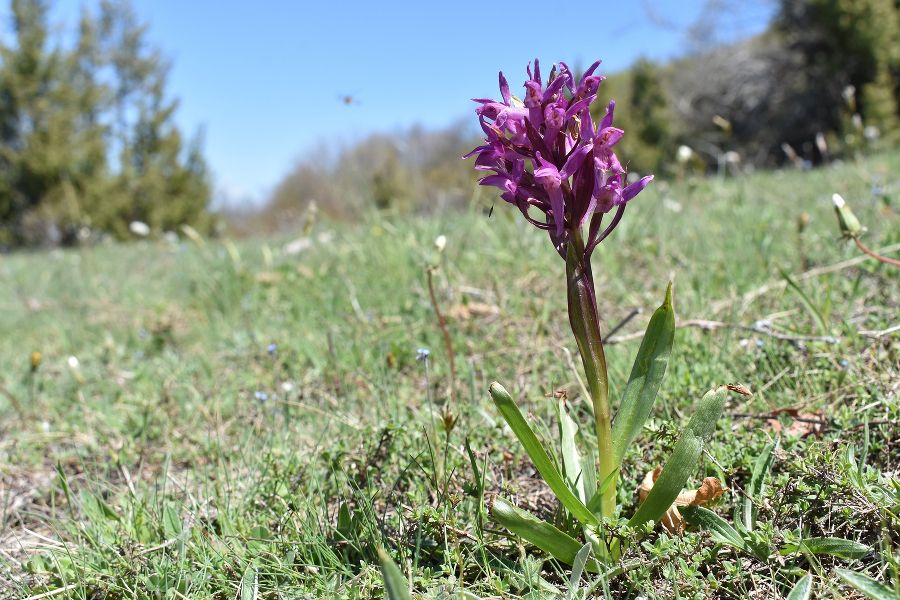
x=238 y=421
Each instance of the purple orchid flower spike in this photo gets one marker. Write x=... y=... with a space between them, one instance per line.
x=576 y=176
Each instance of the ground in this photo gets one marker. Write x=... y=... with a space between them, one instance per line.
x=209 y=419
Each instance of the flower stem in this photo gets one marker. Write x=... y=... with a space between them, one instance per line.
x=585 y=322
x=886 y=260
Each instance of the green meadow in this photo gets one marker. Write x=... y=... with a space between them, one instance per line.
x=250 y=419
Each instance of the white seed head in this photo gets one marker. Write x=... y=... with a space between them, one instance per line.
x=838 y=201
x=440 y=242
x=73 y=362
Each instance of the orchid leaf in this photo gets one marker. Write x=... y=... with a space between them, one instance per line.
x=570 y=456
x=646 y=377
x=539 y=456
x=802 y=589
x=683 y=460
x=589 y=475
x=867 y=586
x=596 y=500
x=395 y=585
x=542 y=534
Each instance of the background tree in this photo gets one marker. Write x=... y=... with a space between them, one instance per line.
x=87 y=134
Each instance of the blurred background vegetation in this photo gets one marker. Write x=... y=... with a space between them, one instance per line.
x=88 y=144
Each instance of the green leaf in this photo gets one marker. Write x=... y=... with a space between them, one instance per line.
x=802 y=589
x=250 y=583
x=757 y=484
x=646 y=377
x=721 y=530
x=829 y=545
x=589 y=475
x=344 y=520
x=683 y=460
x=571 y=458
x=539 y=456
x=395 y=584
x=811 y=308
x=577 y=569
x=867 y=586
x=545 y=536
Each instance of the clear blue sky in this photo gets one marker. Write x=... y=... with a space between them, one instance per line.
x=265 y=78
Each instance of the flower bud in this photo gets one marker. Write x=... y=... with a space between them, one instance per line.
x=850 y=226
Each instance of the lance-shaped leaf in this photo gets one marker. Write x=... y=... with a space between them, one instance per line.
x=646 y=377
x=722 y=531
x=568 y=429
x=539 y=456
x=757 y=485
x=866 y=585
x=802 y=589
x=683 y=460
x=545 y=536
x=839 y=547
x=395 y=585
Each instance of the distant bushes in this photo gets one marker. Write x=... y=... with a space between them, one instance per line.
x=826 y=68
x=87 y=138
x=416 y=170
x=821 y=83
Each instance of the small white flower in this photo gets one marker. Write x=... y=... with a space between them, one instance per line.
x=73 y=362
x=139 y=228
x=287 y=387
x=684 y=153
x=440 y=242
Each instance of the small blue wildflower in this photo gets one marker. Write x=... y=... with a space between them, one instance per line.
x=261 y=396
x=422 y=354
x=760 y=343
x=272 y=349
x=845 y=363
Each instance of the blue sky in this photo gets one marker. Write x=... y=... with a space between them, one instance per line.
x=265 y=79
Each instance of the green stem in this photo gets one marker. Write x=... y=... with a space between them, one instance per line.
x=585 y=324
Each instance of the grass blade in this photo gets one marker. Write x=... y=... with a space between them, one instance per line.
x=545 y=536
x=683 y=460
x=802 y=589
x=757 y=484
x=811 y=308
x=866 y=585
x=646 y=377
x=395 y=585
x=539 y=456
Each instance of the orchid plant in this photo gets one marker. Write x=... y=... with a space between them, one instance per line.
x=552 y=162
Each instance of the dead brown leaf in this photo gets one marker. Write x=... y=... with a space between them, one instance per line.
x=672 y=521
x=472 y=310
x=802 y=423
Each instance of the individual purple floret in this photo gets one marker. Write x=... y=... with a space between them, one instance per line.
x=548 y=158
